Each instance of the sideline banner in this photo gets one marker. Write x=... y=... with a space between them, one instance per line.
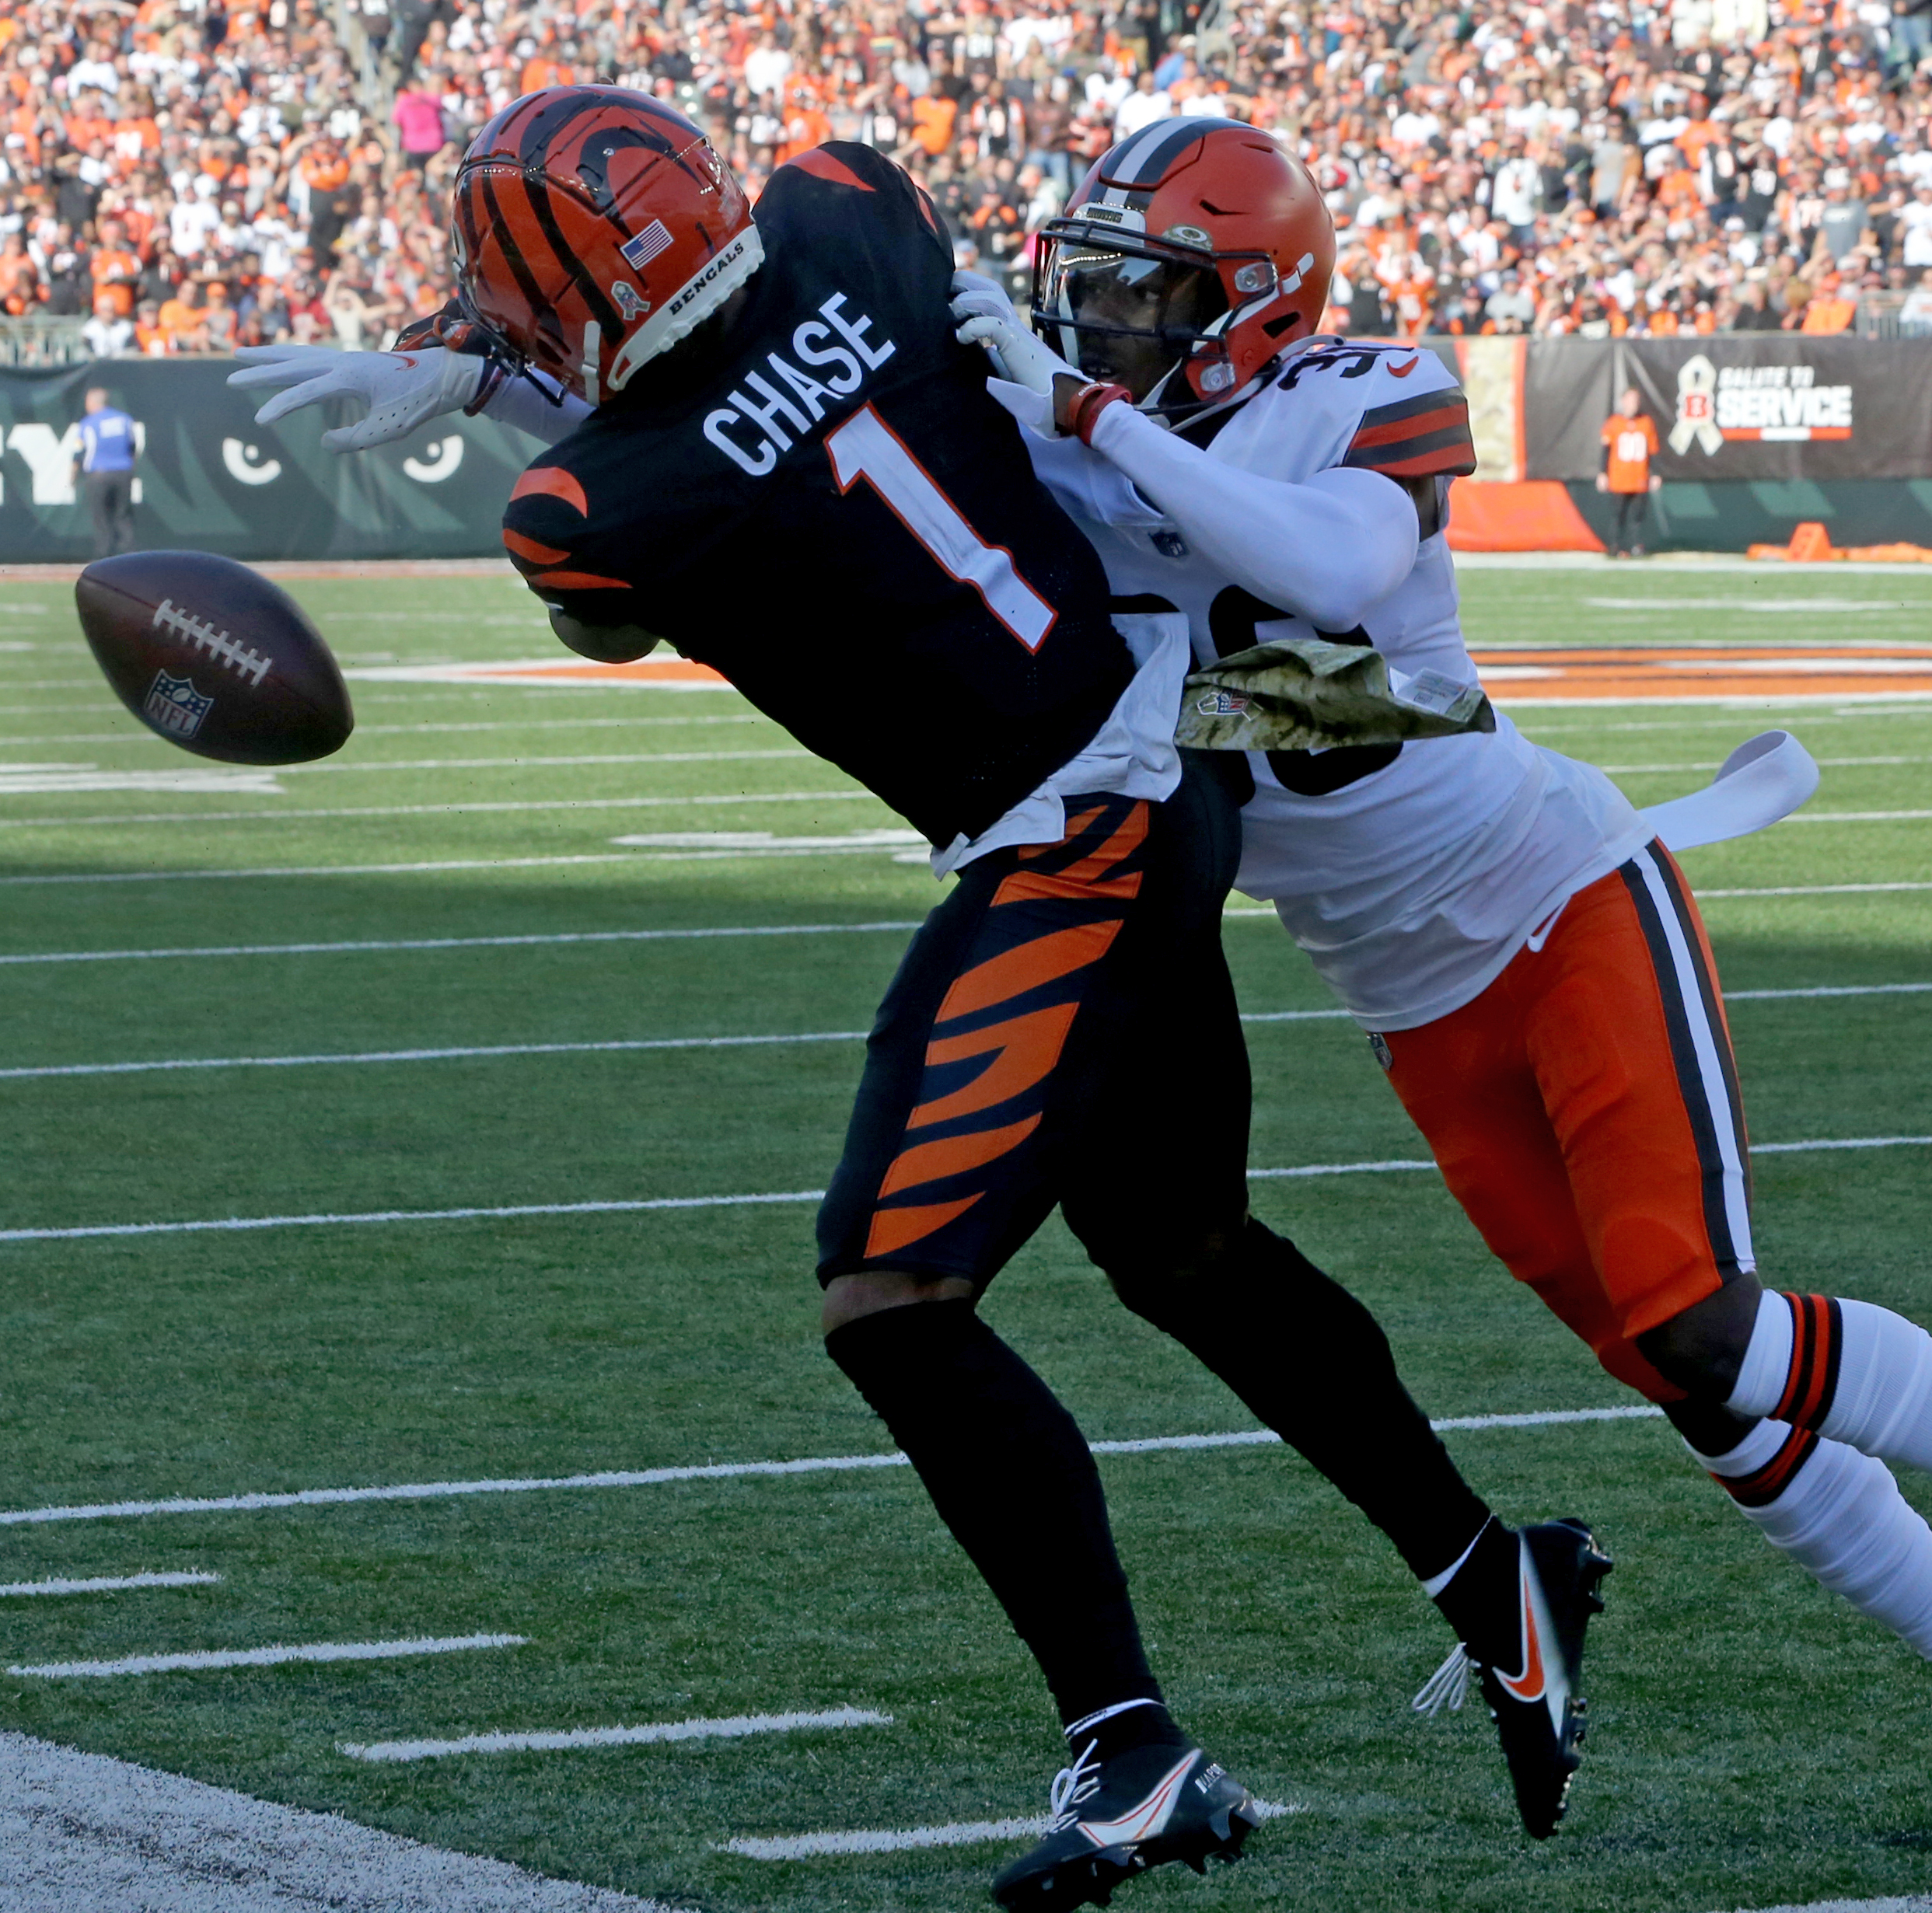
x=1763 y=407
x=208 y=478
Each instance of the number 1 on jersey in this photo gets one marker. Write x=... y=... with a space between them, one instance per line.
x=866 y=447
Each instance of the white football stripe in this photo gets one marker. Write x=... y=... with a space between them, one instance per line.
x=513 y=807
x=635 y=1205
x=110 y=1584
x=537 y=763
x=723 y=1470
x=42 y=780
x=459 y=1052
x=543 y=939
x=563 y=1740
x=267 y=1656
x=965 y=1833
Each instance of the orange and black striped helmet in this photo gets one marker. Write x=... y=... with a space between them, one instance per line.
x=593 y=228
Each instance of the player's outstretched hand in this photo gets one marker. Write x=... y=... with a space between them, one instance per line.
x=401 y=390
x=985 y=317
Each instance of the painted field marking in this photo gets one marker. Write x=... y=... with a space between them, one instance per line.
x=545 y=939
x=725 y=1471
x=734 y=1728
x=965 y=1833
x=1812 y=890
x=535 y=763
x=134 y=735
x=435 y=1055
x=59 y=779
x=1857 y=817
x=231 y=1224
x=1823 y=763
x=460 y=1052
x=267 y=1656
x=517 y=807
x=110 y=1584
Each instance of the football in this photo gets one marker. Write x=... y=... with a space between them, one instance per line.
x=210 y=655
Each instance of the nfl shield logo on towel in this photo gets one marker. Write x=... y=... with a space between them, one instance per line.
x=174 y=706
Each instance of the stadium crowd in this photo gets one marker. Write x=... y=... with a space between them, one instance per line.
x=188 y=175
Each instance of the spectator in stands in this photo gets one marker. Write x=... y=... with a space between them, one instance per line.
x=1830 y=309
x=1915 y=315
x=109 y=334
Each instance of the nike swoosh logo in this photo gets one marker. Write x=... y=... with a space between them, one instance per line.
x=1402 y=371
x=1146 y=1820
x=1529 y=1684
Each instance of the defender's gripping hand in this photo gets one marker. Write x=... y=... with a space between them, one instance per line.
x=986 y=317
x=401 y=390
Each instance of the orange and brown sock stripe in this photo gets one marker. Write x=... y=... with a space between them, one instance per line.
x=1764 y=1485
x=1817 y=1346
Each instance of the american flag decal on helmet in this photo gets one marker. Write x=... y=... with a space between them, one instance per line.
x=638 y=253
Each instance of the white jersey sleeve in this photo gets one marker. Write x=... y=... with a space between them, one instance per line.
x=1410 y=877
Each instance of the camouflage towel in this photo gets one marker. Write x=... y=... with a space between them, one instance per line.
x=1305 y=694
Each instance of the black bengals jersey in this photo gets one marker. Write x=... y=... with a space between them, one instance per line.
x=828 y=509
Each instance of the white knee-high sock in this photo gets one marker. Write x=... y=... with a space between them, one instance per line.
x=1840 y=1514
x=1851 y=1372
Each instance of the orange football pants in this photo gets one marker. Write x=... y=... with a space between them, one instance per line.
x=1584 y=1110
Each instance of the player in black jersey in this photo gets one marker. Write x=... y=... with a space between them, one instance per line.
x=779 y=457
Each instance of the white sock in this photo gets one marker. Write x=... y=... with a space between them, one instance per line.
x=1855 y=1373
x=1840 y=1514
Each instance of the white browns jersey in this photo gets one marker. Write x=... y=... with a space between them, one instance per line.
x=1413 y=885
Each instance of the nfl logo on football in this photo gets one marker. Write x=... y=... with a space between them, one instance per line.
x=175 y=707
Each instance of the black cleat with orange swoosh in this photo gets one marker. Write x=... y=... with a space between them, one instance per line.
x=1115 y=1819
x=1538 y=1708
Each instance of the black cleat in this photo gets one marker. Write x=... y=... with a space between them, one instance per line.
x=1149 y=1805
x=1537 y=1711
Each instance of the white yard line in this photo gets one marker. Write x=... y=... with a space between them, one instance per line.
x=726 y=1471
x=435 y=1055
x=268 y=1656
x=533 y=763
x=84 y=1832
x=545 y=939
x=637 y=1205
x=110 y=1584
x=135 y=736
x=1858 y=817
x=734 y=1728
x=461 y=1051
x=513 y=807
x=964 y=1833
x=1810 y=890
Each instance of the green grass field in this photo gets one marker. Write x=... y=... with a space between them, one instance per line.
x=1753 y=1743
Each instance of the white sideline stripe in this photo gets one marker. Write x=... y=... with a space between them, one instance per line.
x=516 y=806
x=545 y=939
x=110 y=1584
x=268 y=1656
x=720 y=1471
x=1809 y=890
x=594 y=1048
x=535 y=763
x=734 y=1728
x=1828 y=989
x=135 y=735
x=962 y=1833
x=433 y=1056
x=1857 y=817
x=230 y=1224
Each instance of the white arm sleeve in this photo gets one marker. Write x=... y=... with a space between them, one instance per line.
x=1327 y=550
x=517 y=402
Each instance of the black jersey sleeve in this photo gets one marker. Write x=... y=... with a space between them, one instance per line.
x=554 y=539
x=859 y=169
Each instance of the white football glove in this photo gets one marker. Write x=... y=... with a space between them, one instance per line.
x=986 y=318
x=401 y=390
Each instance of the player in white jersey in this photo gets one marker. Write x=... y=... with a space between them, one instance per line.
x=1520 y=947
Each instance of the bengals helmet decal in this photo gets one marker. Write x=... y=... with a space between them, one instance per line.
x=593 y=228
x=1214 y=196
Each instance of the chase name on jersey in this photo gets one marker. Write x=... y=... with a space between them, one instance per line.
x=747 y=428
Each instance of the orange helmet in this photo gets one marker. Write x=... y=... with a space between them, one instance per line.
x=1186 y=197
x=593 y=228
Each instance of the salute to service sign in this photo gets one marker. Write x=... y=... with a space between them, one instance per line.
x=1750 y=406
